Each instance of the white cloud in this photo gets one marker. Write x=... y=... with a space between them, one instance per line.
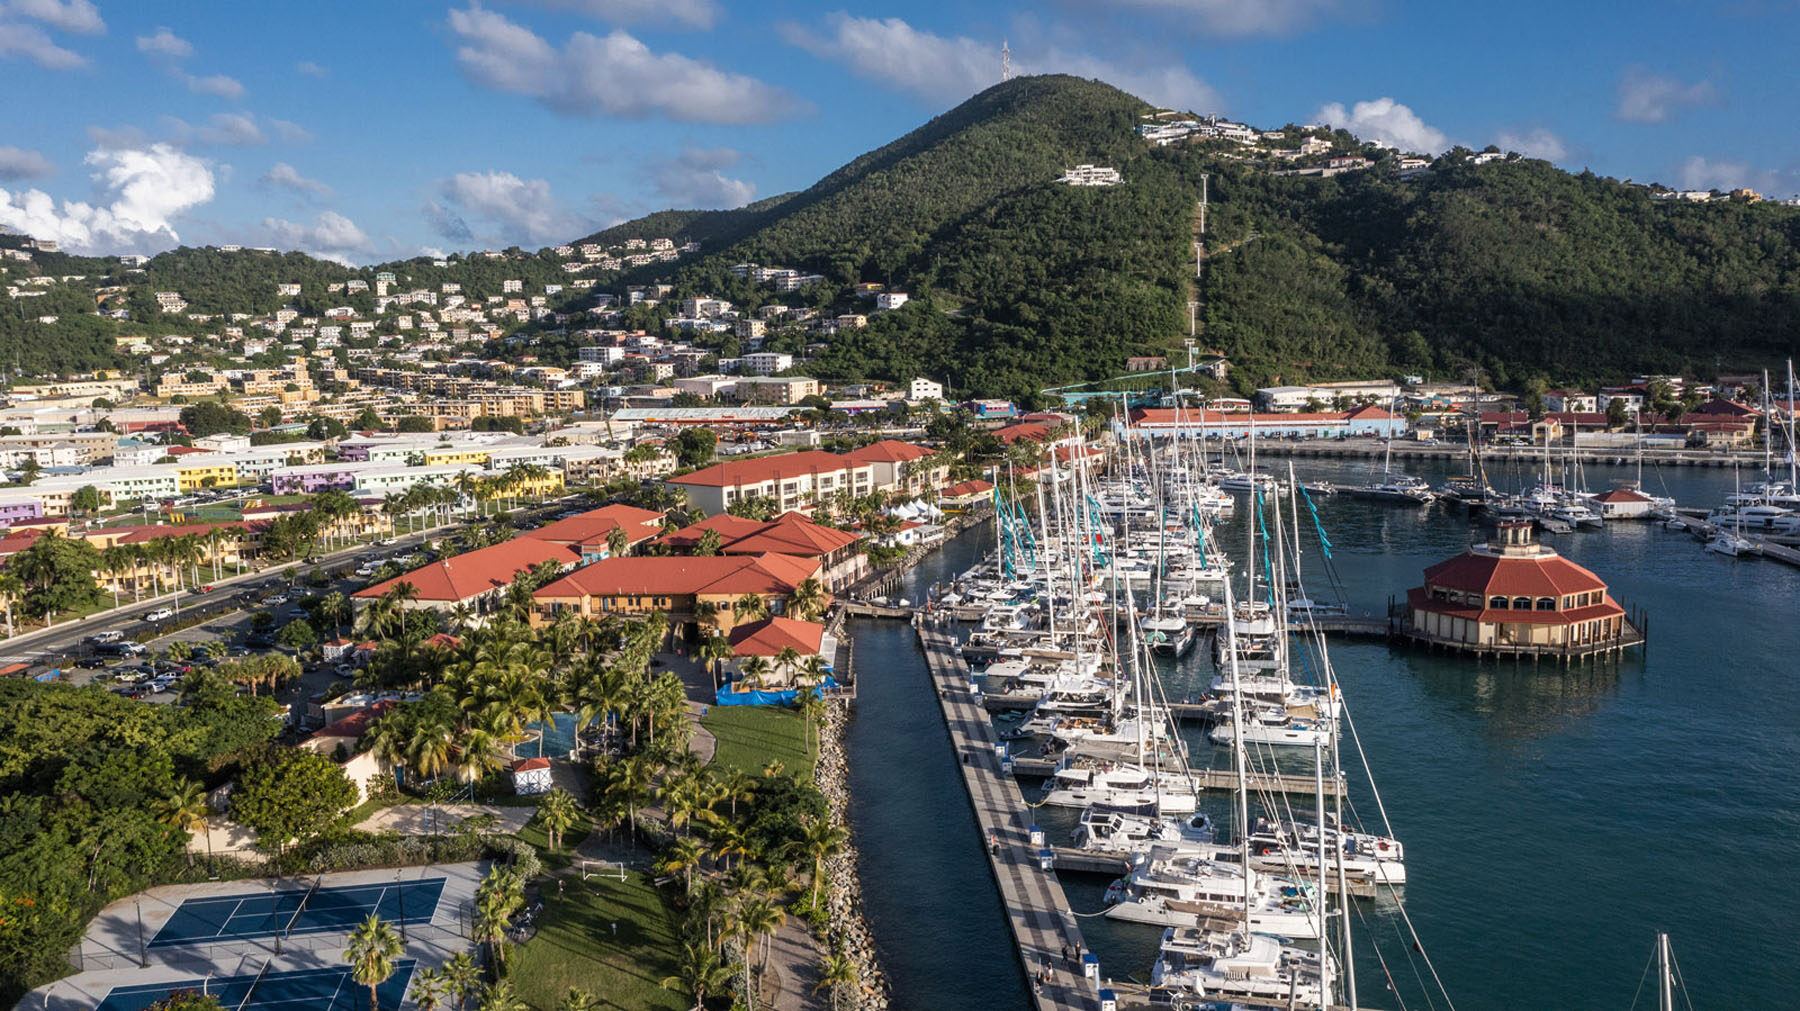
x=1652 y=98
x=170 y=49
x=165 y=43
x=895 y=54
x=697 y=179
x=227 y=129
x=144 y=189
x=287 y=177
x=78 y=16
x=215 y=84
x=1699 y=173
x=311 y=69
x=1536 y=143
x=291 y=133
x=509 y=210
x=941 y=68
x=1239 y=18
x=17 y=163
x=30 y=42
x=1385 y=122
x=614 y=75
x=331 y=236
x=694 y=13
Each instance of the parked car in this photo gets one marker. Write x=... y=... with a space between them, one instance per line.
x=100 y=638
x=160 y=614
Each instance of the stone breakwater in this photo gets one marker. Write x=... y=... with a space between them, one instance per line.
x=848 y=930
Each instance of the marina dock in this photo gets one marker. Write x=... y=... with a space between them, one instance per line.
x=1036 y=908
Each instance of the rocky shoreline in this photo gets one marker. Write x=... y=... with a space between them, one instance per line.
x=848 y=930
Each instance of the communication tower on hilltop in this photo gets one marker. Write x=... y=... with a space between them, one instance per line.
x=1005 y=62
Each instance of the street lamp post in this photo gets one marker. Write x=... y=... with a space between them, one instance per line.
x=400 y=888
x=143 y=952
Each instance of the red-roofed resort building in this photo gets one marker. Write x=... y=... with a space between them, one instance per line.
x=1514 y=596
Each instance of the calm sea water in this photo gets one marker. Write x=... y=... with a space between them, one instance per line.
x=1555 y=817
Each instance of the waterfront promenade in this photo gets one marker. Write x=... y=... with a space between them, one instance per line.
x=1036 y=908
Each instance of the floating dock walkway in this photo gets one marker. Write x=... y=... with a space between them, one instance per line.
x=1036 y=908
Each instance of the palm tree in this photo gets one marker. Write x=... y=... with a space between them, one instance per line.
x=682 y=856
x=373 y=947
x=185 y=810
x=578 y=999
x=729 y=838
x=700 y=973
x=497 y=899
x=713 y=651
x=335 y=606
x=12 y=589
x=733 y=785
x=750 y=607
x=758 y=918
x=617 y=542
x=628 y=784
x=820 y=840
x=812 y=711
x=502 y=996
x=462 y=976
x=787 y=659
x=429 y=988
x=753 y=670
x=809 y=599
x=839 y=973
x=559 y=812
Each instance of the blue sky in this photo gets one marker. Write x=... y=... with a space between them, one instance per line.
x=371 y=131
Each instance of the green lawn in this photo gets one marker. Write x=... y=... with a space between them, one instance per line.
x=575 y=946
x=749 y=736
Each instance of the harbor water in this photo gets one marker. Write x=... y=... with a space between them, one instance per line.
x=1555 y=817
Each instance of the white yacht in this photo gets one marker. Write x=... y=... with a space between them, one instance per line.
x=1081 y=781
x=1292 y=847
x=1727 y=543
x=1134 y=830
x=1272 y=725
x=1169 y=633
x=1171 y=889
x=1238 y=965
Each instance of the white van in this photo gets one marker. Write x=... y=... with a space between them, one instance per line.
x=160 y=614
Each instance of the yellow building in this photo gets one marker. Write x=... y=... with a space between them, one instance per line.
x=549 y=484
x=456 y=458
x=217 y=475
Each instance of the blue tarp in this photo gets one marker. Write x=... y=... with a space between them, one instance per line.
x=726 y=697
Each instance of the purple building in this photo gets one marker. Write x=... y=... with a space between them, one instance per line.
x=14 y=512
x=311 y=480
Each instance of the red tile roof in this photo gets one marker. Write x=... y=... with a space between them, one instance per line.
x=769 y=636
x=967 y=488
x=480 y=571
x=788 y=534
x=888 y=451
x=736 y=473
x=1622 y=495
x=530 y=764
x=1547 y=575
x=683 y=575
x=356 y=724
x=1033 y=430
x=184 y=450
x=728 y=527
x=597 y=524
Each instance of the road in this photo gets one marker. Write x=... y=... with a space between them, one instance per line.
x=229 y=606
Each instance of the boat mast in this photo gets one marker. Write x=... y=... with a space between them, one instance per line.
x=1793 y=477
x=1238 y=758
x=1665 y=993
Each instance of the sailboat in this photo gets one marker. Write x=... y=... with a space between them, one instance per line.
x=1402 y=489
x=1731 y=543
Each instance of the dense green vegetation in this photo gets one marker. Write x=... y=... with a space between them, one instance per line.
x=97 y=795
x=1515 y=268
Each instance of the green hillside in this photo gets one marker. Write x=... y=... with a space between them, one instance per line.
x=1515 y=268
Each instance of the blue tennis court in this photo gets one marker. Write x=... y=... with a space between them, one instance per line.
x=296 y=911
x=329 y=989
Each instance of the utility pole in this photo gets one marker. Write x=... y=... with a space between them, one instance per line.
x=1203 y=179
